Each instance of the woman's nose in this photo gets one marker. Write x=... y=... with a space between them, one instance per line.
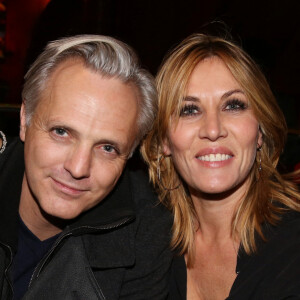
x=212 y=127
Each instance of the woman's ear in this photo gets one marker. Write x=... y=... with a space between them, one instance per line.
x=166 y=147
x=260 y=138
x=22 y=122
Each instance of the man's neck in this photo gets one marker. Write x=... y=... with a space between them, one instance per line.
x=32 y=216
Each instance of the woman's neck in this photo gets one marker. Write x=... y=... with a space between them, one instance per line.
x=214 y=218
x=216 y=211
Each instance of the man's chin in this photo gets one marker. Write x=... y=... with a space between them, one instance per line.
x=61 y=216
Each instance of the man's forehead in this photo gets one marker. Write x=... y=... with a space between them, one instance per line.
x=61 y=74
x=63 y=69
x=89 y=103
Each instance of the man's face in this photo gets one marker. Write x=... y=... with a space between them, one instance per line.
x=78 y=141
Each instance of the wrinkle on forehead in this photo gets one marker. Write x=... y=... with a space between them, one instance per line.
x=99 y=102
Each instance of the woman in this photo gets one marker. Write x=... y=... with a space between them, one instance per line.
x=212 y=154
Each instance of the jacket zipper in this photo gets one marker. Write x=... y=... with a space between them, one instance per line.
x=39 y=267
x=8 y=266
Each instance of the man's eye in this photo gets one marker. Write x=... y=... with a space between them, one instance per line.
x=189 y=110
x=60 y=131
x=109 y=148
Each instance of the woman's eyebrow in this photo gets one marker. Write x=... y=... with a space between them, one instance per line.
x=191 y=98
x=229 y=93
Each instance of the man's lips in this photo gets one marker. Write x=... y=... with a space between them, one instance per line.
x=66 y=187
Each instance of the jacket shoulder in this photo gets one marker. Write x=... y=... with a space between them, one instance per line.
x=149 y=279
x=12 y=154
x=142 y=189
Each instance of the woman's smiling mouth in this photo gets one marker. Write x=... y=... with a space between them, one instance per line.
x=214 y=157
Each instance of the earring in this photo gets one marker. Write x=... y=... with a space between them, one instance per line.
x=159 y=160
x=4 y=142
x=259 y=158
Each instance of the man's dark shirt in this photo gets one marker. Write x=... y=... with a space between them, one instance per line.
x=30 y=251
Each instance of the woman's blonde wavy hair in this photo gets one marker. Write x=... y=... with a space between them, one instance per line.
x=267 y=188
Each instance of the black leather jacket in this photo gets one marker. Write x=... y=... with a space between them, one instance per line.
x=117 y=250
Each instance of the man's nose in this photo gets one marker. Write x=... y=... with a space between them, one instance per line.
x=212 y=126
x=78 y=162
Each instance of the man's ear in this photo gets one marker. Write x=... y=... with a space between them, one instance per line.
x=22 y=122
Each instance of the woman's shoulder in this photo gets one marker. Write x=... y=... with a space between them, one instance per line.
x=287 y=225
x=178 y=279
x=273 y=271
x=283 y=236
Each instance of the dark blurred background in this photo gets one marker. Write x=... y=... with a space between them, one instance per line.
x=267 y=29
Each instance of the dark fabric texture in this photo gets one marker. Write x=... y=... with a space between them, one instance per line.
x=117 y=250
x=30 y=251
x=273 y=273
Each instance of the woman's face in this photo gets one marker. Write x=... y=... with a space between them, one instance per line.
x=214 y=144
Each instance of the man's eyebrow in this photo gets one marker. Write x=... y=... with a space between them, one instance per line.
x=121 y=146
x=110 y=142
x=53 y=123
x=231 y=92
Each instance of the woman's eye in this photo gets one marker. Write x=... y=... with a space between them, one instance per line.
x=235 y=104
x=60 y=131
x=189 y=110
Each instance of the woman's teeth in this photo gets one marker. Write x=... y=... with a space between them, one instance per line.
x=214 y=157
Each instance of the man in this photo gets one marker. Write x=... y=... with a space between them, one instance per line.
x=2 y=142
x=71 y=228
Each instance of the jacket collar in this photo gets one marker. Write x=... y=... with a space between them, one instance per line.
x=11 y=176
x=117 y=206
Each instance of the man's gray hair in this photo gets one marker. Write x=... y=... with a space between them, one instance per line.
x=102 y=54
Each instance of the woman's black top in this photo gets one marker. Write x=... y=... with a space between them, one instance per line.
x=272 y=273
